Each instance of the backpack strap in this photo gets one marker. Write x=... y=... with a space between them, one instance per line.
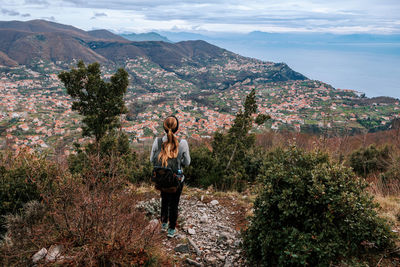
x=159 y=143
x=178 y=159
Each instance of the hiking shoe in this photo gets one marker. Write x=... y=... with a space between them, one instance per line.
x=164 y=227
x=171 y=232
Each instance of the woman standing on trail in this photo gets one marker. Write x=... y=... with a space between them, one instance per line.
x=168 y=152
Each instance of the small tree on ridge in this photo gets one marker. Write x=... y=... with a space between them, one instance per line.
x=101 y=103
x=231 y=149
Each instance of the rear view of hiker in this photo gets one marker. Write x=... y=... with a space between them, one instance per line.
x=168 y=155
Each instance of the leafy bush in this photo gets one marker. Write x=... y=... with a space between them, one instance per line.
x=23 y=178
x=369 y=160
x=19 y=225
x=253 y=163
x=393 y=171
x=112 y=148
x=311 y=212
x=95 y=223
x=390 y=179
x=202 y=170
x=141 y=169
x=225 y=166
x=102 y=219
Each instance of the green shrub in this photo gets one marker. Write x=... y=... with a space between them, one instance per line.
x=19 y=225
x=142 y=169
x=393 y=170
x=369 y=160
x=202 y=169
x=22 y=179
x=78 y=161
x=232 y=150
x=311 y=212
x=253 y=163
x=390 y=179
x=95 y=223
x=205 y=171
x=113 y=151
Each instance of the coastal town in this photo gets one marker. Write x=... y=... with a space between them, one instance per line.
x=35 y=110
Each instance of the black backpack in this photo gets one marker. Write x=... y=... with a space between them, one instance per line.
x=166 y=179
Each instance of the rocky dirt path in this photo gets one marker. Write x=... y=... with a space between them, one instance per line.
x=208 y=230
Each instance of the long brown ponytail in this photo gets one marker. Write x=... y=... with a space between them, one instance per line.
x=169 y=149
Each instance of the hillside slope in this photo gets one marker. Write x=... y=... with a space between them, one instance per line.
x=43 y=26
x=150 y=36
x=25 y=47
x=105 y=35
x=199 y=63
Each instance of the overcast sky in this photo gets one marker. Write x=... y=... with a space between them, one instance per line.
x=335 y=16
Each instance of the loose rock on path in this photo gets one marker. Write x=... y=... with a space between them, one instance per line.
x=206 y=228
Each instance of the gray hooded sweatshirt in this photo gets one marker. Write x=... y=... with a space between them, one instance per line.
x=183 y=154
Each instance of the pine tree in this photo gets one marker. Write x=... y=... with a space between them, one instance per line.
x=101 y=103
x=231 y=150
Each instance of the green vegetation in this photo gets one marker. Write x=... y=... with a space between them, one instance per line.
x=101 y=103
x=115 y=148
x=392 y=171
x=225 y=166
x=90 y=214
x=313 y=212
x=22 y=179
x=370 y=160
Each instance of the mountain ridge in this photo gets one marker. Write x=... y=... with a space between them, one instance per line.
x=106 y=35
x=23 y=42
x=149 y=36
x=42 y=26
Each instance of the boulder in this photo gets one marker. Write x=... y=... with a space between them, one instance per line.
x=53 y=253
x=39 y=255
x=182 y=248
x=214 y=202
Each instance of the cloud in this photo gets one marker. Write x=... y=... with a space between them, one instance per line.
x=37 y=2
x=9 y=12
x=13 y=13
x=139 y=4
x=300 y=14
x=98 y=15
x=52 y=18
x=219 y=15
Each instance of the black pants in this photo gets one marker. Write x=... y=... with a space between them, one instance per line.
x=169 y=207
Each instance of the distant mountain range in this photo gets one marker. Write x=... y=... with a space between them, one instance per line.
x=24 y=42
x=149 y=36
x=289 y=38
x=105 y=35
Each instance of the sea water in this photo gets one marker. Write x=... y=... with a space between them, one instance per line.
x=373 y=69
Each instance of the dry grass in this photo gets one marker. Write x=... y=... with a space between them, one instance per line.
x=336 y=144
x=93 y=217
x=390 y=209
x=143 y=189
